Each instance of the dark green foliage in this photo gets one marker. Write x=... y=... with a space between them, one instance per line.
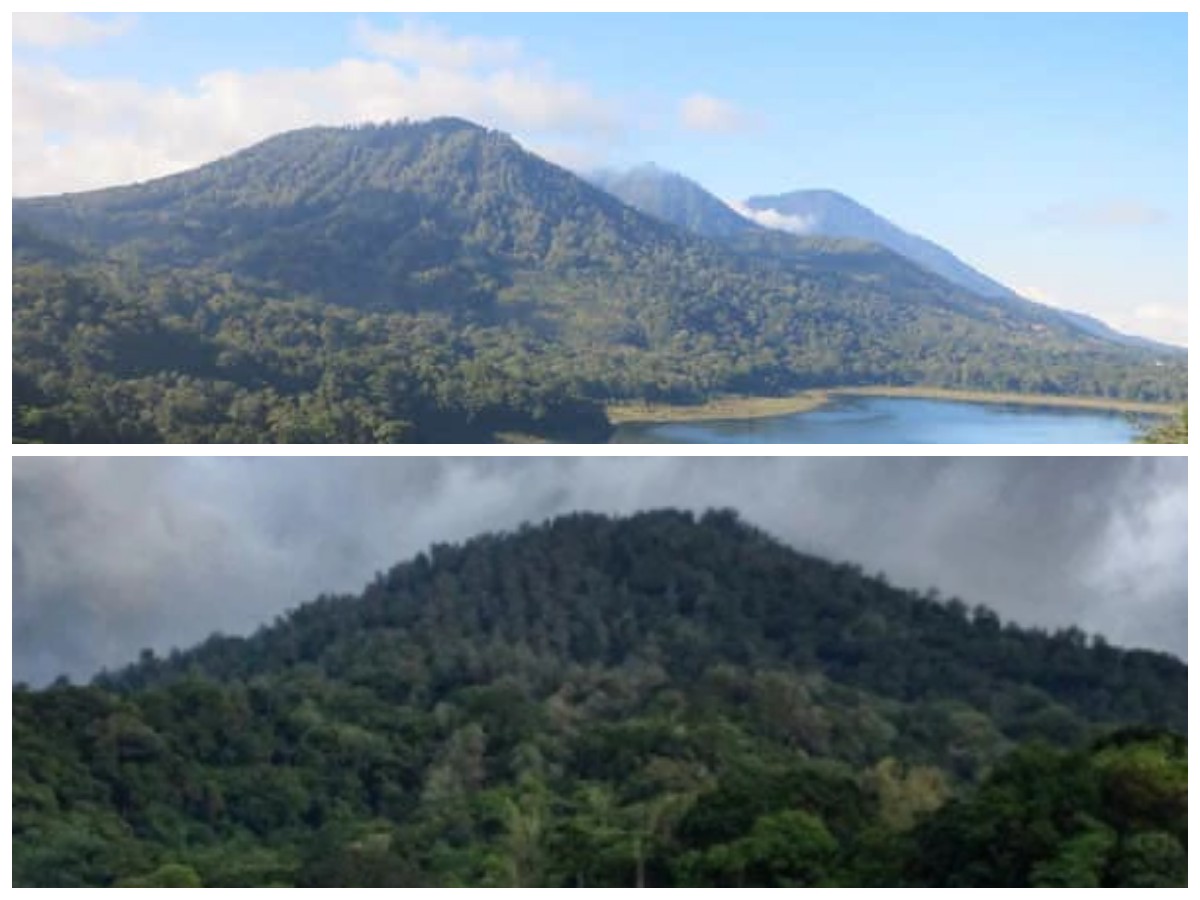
x=436 y=282
x=661 y=700
x=103 y=356
x=1115 y=815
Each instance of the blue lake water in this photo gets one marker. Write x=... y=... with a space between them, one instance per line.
x=891 y=420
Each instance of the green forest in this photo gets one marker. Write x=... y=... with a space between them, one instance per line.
x=436 y=282
x=667 y=699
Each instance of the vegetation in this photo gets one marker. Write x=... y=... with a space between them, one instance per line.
x=434 y=281
x=102 y=356
x=718 y=408
x=1116 y=405
x=660 y=700
x=1174 y=432
x=672 y=198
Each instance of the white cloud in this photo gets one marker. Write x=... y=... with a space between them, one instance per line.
x=712 y=115
x=429 y=45
x=51 y=30
x=1041 y=295
x=1161 y=321
x=772 y=218
x=73 y=134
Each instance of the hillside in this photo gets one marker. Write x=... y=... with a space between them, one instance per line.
x=672 y=198
x=659 y=700
x=390 y=216
x=528 y=290
x=835 y=215
x=832 y=214
x=827 y=221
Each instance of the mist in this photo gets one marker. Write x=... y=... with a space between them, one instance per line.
x=774 y=219
x=112 y=555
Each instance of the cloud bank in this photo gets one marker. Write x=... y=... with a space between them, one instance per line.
x=113 y=555
x=707 y=114
x=423 y=44
x=72 y=133
x=52 y=30
x=773 y=218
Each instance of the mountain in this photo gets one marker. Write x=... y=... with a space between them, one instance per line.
x=1093 y=326
x=680 y=201
x=663 y=699
x=435 y=281
x=836 y=215
x=829 y=213
x=672 y=198
x=379 y=215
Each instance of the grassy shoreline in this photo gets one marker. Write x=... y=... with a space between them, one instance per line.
x=742 y=407
x=924 y=393
x=729 y=407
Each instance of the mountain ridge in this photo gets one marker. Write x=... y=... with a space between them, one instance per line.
x=512 y=277
x=822 y=213
x=646 y=555
x=834 y=214
x=673 y=198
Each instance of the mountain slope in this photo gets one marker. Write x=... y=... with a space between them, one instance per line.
x=361 y=216
x=576 y=576
x=658 y=700
x=833 y=217
x=836 y=215
x=829 y=213
x=672 y=198
x=1093 y=326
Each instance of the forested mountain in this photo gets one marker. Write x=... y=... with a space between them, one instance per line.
x=658 y=700
x=835 y=219
x=488 y=290
x=831 y=214
x=434 y=213
x=672 y=198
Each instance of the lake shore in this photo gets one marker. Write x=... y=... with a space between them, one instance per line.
x=730 y=407
x=743 y=407
x=1101 y=403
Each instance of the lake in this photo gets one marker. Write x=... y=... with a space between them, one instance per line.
x=892 y=420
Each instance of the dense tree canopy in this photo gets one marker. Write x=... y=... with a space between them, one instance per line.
x=663 y=700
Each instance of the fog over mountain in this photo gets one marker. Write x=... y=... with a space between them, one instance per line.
x=113 y=555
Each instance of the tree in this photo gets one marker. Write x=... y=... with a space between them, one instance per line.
x=169 y=875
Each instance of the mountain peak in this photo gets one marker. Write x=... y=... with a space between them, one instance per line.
x=815 y=201
x=673 y=198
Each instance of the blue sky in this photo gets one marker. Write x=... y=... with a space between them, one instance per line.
x=1048 y=150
